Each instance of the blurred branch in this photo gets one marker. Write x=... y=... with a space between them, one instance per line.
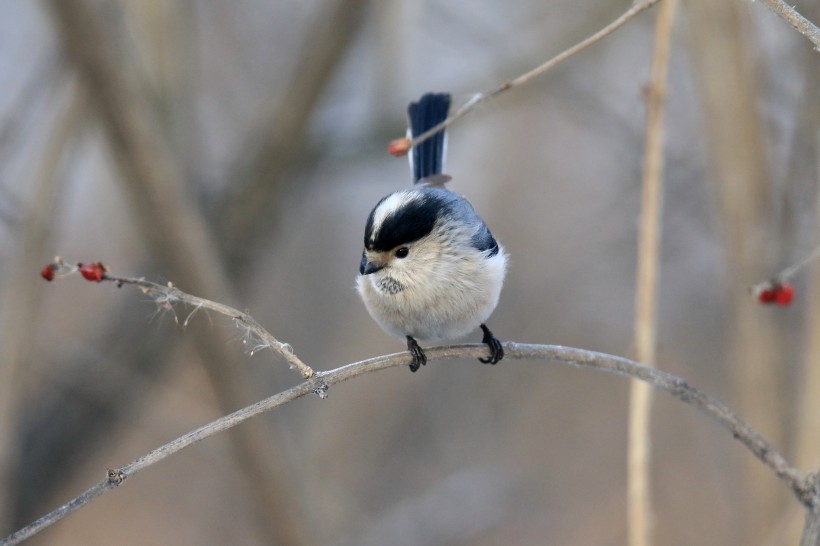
x=807 y=441
x=725 y=65
x=168 y=218
x=811 y=528
x=43 y=79
x=177 y=233
x=22 y=294
x=50 y=429
x=797 y=21
x=79 y=408
x=284 y=129
x=479 y=98
x=803 y=487
x=646 y=305
x=807 y=434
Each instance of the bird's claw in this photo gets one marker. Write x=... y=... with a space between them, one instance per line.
x=419 y=358
x=496 y=349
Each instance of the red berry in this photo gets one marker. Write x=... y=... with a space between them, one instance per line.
x=399 y=147
x=767 y=295
x=48 y=272
x=94 y=272
x=784 y=295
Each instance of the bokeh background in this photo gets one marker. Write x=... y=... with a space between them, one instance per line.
x=236 y=148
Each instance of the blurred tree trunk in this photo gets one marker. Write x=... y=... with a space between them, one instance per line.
x=807 y=438
x=724 y=64
x=50 y=434
x=176 y=230
x=23 y=288
x=276 y=147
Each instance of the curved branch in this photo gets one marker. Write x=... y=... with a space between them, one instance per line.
x=801 y=485
x=779 y=7
x=477 y=99
x=167 y=296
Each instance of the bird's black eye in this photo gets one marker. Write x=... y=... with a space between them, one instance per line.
x=402 y=252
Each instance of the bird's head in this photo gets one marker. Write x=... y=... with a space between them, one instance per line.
x=404 y=238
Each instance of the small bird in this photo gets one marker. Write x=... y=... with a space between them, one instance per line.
x=431 y=269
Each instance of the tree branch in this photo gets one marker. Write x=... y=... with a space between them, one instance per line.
x=178 y=233
x=779 y=7
x=804 y=488
x=22 y=293
x=797 y=21
x=639 y=510
x=166 y=296
x=169 y=295
x=479 y=98
x=811 y=528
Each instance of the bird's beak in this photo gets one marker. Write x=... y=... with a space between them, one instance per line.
x=367 y=267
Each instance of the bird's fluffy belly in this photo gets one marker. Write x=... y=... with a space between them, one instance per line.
x=448 y=309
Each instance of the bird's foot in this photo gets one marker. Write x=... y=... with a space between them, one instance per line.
x=496 y=349
x=419 y=358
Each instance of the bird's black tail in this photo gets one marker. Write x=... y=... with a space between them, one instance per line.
x=427 y=159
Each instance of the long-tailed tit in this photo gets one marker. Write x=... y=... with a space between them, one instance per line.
x=430 y=269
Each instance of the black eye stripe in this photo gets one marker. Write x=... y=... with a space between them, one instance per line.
x=411 y=222
x=420 y=213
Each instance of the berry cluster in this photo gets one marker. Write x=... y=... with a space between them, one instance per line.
x=775 y=292
x=94 y=272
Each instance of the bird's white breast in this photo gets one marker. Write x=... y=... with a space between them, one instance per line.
x=445 y=298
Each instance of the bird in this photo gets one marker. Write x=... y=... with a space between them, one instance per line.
x=431 y=269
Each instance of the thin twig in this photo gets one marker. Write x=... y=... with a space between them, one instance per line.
x=797 y=21
x=790 y=271
x=479 y=98
x=170 y=294
x=649 y=236
x=166 y=296
x=802 y=486
x=783 y=10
